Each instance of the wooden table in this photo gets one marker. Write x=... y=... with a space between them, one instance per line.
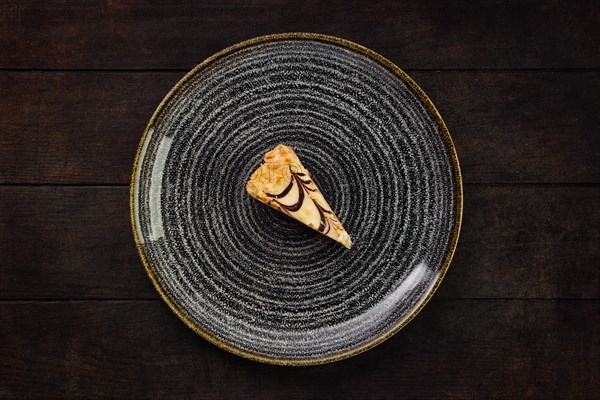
x=518 y=315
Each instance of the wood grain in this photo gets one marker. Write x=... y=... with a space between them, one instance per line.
x=534 y=241
x=75 y=127
x=516 y=242
x=68 y=242
x=453 y=349
x=520 y=127
x=425 y=34
x=84 y=127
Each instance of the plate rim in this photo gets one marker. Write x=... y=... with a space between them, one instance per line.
x=450 y=149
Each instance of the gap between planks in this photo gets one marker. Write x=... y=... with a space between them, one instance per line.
x=433 y=300
x=474 y=184
x=185 y=70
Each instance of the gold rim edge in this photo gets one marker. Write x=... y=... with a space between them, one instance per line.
x=458 y=204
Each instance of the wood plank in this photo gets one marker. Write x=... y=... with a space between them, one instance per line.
x=520 y=127
x=508 y=127
x=65 y=242
x=516 y=242
x=425 y=34
x=527 y=242
x=453 y=349
x=75 y=127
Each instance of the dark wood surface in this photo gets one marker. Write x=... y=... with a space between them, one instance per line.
x=508 y=127
x=518 y=315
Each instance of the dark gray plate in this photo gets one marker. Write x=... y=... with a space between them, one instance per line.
x=254 y=281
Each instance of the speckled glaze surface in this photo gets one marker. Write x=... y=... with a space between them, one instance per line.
x=255 y=281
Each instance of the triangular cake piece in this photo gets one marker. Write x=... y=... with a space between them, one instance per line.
x=283 y=183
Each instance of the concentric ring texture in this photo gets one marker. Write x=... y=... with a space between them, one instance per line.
x=255 y=279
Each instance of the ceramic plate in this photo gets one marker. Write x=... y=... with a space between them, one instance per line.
x=255 y=281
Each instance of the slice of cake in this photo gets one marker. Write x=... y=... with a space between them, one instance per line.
x=283 y=183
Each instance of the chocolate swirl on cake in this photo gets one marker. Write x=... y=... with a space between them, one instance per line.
x=283 y=165
x=304 y=187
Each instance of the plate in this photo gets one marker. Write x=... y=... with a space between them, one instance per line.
x=254 y=281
